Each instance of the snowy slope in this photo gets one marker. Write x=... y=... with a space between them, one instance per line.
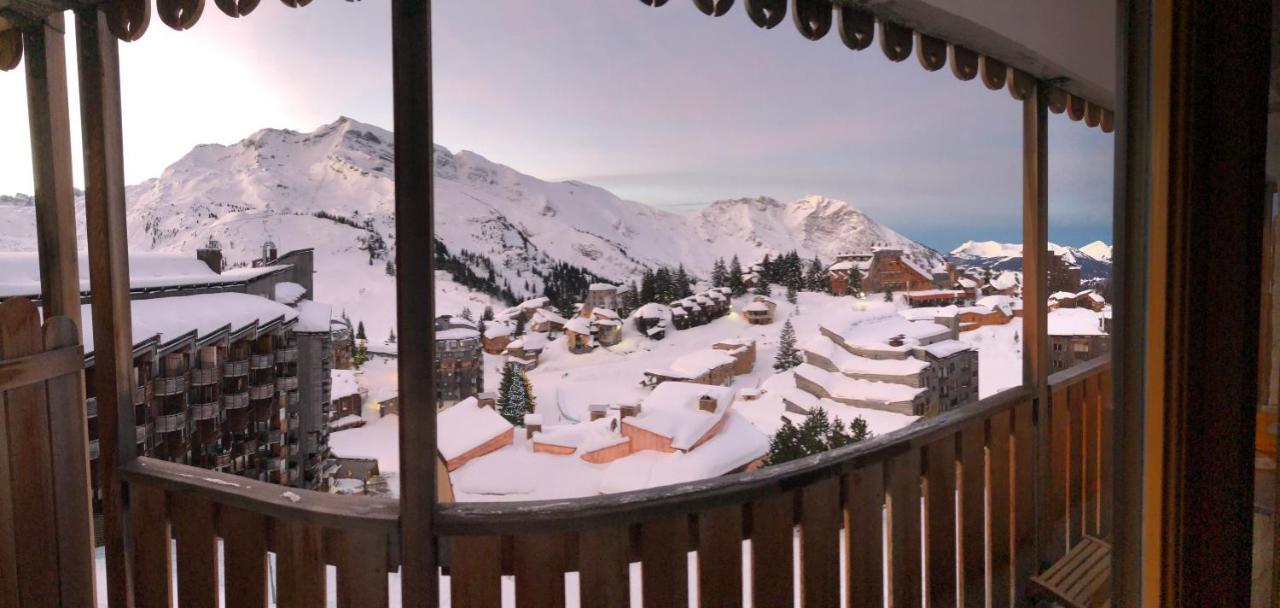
x=1094 y=259
x=271 y=185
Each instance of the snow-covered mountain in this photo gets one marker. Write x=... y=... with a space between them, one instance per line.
x=333 y=190
x=1094 y=259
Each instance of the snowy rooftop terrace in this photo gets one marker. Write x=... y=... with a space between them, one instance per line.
x=20 y=272
x=171 y=318
x=873 y=332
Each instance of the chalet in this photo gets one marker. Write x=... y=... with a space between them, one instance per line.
x=841 y=270
x=546 y=320
x=346 y=396
x=605 y=295
x=890 y=270
x=597 y=441
x=760 y=310
x=936 y=297
x=704 y=366
x=608 y=326
x=469 y=430
x=579 y=335
x=973 y=317
x=678 y=416
x=743 y=351
x=652 y=319
x=1007 y=283
x=496 y=336
x=526 y=351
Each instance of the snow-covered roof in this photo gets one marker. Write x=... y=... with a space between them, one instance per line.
x=457 y=333
x=602 y=287
x=532 y=341
x=995 y=301
x=696 y=363
x=967 y=283
x=756 y=307
x=20 y=272
x=936 y=293
x=546 y=316
x=1075 y=322
x=342 y=383
x=652 y=310
x=313 y=317
x=672 y=410
x=876 y=332
x=605 y=313
x=845 y=265
x=1061 y=295
x=466 y=426
x=533 y=303
x=170 y=318
x=849 y=363
x=737 y=444
x=288 y=292
x=584 y=437
x=497 y=330
x=844 y=387
x=580 y=325
x=947 y=348
x=1005 y=280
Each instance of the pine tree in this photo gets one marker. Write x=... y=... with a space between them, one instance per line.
x=360 y=355
x=888 y=295
x=788 y=356
x=816 y=279
x=487 y=315
x=515 y=395
x=855 y=283
x=564 y=307
x=647 y=294
x=681 y=287
x=391 y=339
x=391 y=268
x=766 y=270
x=734 y=280
x=360 y=331
x=718 y=273
x=519 y=331
x=763 y=288
x=815 y=431
x=791 y=294
x=466 y=313
x=785 y=444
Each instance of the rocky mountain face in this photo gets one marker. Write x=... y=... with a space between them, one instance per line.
x=1094 y=259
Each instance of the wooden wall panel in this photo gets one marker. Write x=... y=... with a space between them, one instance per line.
x=973 y=516
x=940 y=521
x=772 y=534
x=475 y=574
x=664 y=562
x=244 y=551
x=603 y=567
x=820 y=517
x=720 y=557
x=539 y=570
x=1000 y=514
x=864 y=536
x=904 y=525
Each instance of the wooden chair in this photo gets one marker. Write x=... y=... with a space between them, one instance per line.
x=1082 y=578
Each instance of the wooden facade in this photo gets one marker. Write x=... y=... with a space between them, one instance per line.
x=1008 y=485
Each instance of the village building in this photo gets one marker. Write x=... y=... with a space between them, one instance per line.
x=526 y=351
x=910 y=367
x=469 y=430
x=524 y=310
x=608 y=326
x=1063 y=271
x=743 y=351
x=700 y=308
x=459 y=360
x=345 y=394
x=973 y=317
x=546 y=320
x=1076 y=335
x=605 y=295
x=760 y=310
x=579 y=335
x=1007 y=283
x=890 y=270
x=651 y=320
x=937 y=297
x=596 y=441
x=702 y=366
x=496 y=337
x=841 y=270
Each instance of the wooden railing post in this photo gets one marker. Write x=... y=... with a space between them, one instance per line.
x=99 y=65
x=1035 y=243
x=51 y=165
x=415 y=297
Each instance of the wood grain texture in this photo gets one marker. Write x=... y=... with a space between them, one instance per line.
x=1053 y=505
x=904 y=530
x=720 y=557
x=26 y=421
x=664 y=562
x=820 y=518
x=362 y=569
x=604 y=570
x=864 y=536
x=300 y=565
x=772 y=537
x=244 y=551
x=475 y=573
x=152 y=556
x=940 y=521
x=540 y=561
x=973 y=516
x=197 y=550
x=1000 y=514
x=1075 y=464
x=1024 y=508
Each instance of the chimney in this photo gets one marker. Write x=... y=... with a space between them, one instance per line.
x=532 y=424
x=599 y=411
x=951 y=272
x=489 y=400
x=629 y=409
x=897 y=340
x=269 y=253
x=211 y=255
x=707 y=403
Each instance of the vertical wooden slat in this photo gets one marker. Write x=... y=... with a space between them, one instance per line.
x=973 y=516
x=1024 y=508
x=603 y=568
x=152 y=559
x=9 y=577
x=904 y=530
x=720 y=557
x=362 y=570
x=940 y=518
x=475 y=571
x=1075 y=462
x=50 y=122
x=1000 y=511
x=772 y=535
x=1092 y=448
x=820 y=544
x=68 y=431
x=1053 y=505
x=26 y=416
x=664 y=562
x=539 y=570
x=197 y=551
x=244 y=550
x=864 y=535
x=99 y=65
x=300 y=567
x=1105 y=438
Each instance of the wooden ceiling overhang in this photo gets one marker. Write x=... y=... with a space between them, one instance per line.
x=902 y=29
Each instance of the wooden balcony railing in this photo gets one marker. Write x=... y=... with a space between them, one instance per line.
x=957 y=508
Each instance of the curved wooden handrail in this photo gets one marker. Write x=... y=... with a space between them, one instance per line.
x=529 y=517
x=263 y=498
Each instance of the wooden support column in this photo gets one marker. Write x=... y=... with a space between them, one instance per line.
x=99 y=65
x=1035 y=253
x=415 y=298
x=51 y=163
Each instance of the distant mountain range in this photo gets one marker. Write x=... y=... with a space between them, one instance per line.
x=1094 y=259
